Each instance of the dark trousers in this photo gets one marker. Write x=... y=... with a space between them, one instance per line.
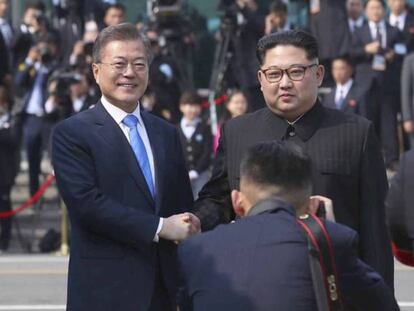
x=161 y=300
x=388 y=127
x=35 y=136
x=5 y=223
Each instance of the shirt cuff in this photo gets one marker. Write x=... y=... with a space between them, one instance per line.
x=156 y=237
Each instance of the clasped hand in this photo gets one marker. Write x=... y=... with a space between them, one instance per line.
x=179 y=227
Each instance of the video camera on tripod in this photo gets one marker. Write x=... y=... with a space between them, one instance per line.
x=167 y=18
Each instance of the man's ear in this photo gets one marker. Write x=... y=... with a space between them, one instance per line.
x=237 y=198
x=259 y=76
x=320 y=73
x=95 y=70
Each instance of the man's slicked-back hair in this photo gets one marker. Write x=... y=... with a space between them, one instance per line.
x=280 y=165
x=121 y=32
x=297 y=38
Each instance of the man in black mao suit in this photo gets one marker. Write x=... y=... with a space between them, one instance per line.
x=260 y=262
x=122 y=176
x=346 y=156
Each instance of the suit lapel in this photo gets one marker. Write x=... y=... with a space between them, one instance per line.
x=120 y=148
x=157 y=145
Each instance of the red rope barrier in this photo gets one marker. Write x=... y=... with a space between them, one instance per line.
x=219 y=101
x=39 y=193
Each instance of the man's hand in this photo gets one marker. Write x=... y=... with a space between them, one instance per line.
x=408 y=126
x=372 y=48
x=179 y=227
x=314 y=205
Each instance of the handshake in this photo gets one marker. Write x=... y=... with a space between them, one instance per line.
x=179 y=227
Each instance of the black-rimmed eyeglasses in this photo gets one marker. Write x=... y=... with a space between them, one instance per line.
x=295 y=73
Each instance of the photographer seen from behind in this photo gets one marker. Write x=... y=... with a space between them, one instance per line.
x=261 y=261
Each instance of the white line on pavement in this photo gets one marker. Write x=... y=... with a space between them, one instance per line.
x=32 y=259
x=406 y=304
x=33 y=307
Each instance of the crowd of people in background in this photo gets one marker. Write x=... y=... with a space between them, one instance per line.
x=367 y=48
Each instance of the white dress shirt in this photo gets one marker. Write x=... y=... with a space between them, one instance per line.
x=118 y=115
x=373 y=28
x=189 y=127
x=6 y=31
x=398 y=21
x=342 y=90
x=357 y=23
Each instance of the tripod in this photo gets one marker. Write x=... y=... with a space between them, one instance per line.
x=222 y=57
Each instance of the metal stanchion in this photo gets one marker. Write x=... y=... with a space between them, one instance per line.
x=64 y=229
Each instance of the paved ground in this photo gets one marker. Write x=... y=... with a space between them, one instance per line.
x=38 y=282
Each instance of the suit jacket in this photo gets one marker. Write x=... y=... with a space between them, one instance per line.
x=407 y=90
x=10 y=132
x=261 y=263
x=400 y=212
x=354 y=102
x=332 y=15
x=113 y=216
x=347 y=164
x=388 y=80
x=4 y=58
x=408 y=32
x=25 y=79
x=198 y=149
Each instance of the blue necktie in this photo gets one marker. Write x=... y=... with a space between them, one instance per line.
x=138 y=147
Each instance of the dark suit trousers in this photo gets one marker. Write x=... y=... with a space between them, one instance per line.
x=388 y=127
x=5 y=223
x=34 y=140
x=160 y=301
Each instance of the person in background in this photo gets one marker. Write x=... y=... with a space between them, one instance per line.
x=236 y=105
x=80 y=93
x=407 y=98
x=114 y=14
x=355 y=12
x=9 y=161
x=376 y=52
x=6 y=41
x=400 y=17
x=277 y=19
x=31 y=79
x=346 y=95
x=196 y=139
x=400 y=210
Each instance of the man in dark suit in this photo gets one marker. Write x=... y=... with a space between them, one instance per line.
x=400 y=17
x=355 y=13
x=9 y=161
x=377 y=55
x=122 y=176
x=6 y=39
x=400 y=211
x=31 y=80
x=325 y=16
x=347 y=161
x=407 y=97
x=346 y=96
x=260 y=262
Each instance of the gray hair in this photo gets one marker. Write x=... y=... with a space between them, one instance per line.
x=121 y=32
